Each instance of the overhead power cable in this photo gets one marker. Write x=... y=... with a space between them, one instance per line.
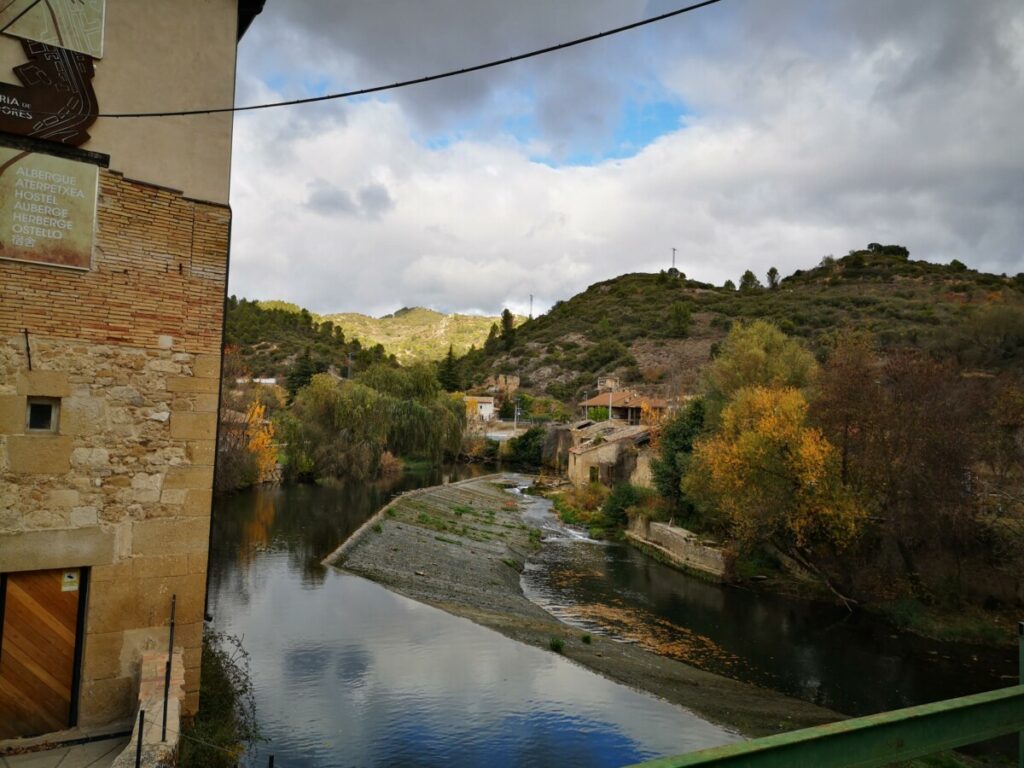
x=418 y=80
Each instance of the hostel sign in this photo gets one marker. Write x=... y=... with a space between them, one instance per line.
x=47 y=209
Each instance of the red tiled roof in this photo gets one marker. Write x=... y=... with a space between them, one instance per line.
x=624 y=400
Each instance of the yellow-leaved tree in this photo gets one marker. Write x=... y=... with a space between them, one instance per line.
x=259 y=441
x=770 y=476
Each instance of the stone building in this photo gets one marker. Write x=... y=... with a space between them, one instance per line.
x=113 y=265
x=625 y=405
x=609 y=452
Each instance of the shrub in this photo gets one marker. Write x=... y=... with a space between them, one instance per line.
x=556 y=644
x=527 y=449
x=623 y=498
x=226 y=726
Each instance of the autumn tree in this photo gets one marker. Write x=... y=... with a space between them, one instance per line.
x=913 y=435
x=769 y=477
x=847 y=400
x=259 y=442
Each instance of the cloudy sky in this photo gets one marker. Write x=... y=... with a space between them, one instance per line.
x=747 y=134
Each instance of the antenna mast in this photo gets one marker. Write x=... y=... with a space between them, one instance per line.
x=673 y=258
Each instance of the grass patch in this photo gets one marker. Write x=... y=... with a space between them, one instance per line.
x=446 y=540
x=510 y=563
x=429 y=521
x=377 y=528
x=586 y=639
x=960 y=625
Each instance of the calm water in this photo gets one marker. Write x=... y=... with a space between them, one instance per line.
x=349 y=674
x=850 y=663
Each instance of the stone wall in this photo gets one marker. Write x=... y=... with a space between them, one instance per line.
x=680 y=547
x=156 y=752
x=131 y=349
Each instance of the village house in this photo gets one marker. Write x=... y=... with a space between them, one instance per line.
x=479 y=408
x=624 y=405
x=113 y=267
x=609 y=452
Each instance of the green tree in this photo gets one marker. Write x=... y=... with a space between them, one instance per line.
x=491 y=344
x=414 y=382
x=749 y=282
x=755 y=354
x=679 y=321
x=773 y=278
x=674 y=451
x=623 y=498
x=527 y=449
x=507 y=409
x=448 y=372
x=729 y=285
x=300 y=373
x=508 y=328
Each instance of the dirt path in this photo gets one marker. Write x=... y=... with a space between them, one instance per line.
x=461 y=547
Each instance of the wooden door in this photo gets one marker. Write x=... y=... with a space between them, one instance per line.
x=40 y=613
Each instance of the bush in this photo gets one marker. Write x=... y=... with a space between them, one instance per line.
x=527 y=449
x=225 y=727
x=623 y=498
x=556 y=644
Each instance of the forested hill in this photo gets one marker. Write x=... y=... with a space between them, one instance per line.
x=417 y=334
x=270 y=336
x=657 y=330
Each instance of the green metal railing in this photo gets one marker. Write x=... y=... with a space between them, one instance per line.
x=876 y=740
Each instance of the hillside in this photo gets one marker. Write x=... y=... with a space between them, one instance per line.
x=269 y=336
x=417 y=334
x=657 y=330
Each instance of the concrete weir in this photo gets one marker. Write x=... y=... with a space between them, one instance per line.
x=462 y=547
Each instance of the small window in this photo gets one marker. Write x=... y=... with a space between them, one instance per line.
x=43 y=414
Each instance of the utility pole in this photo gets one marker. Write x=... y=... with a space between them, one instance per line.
x=673 y=258
x=531 y=306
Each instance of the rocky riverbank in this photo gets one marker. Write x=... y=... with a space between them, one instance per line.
x=461 y=548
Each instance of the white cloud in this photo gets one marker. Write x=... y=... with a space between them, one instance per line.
x=817 y=129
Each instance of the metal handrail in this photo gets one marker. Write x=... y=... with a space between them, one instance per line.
x=875 y=740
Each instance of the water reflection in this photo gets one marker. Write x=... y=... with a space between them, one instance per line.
x=821 y=653
x=349 y=674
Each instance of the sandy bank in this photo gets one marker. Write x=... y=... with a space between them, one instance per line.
x=460 y=547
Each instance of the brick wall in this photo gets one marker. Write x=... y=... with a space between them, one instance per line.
x=131 y=348
x=159 y=269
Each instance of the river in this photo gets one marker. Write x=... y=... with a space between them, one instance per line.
x=347 y=673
